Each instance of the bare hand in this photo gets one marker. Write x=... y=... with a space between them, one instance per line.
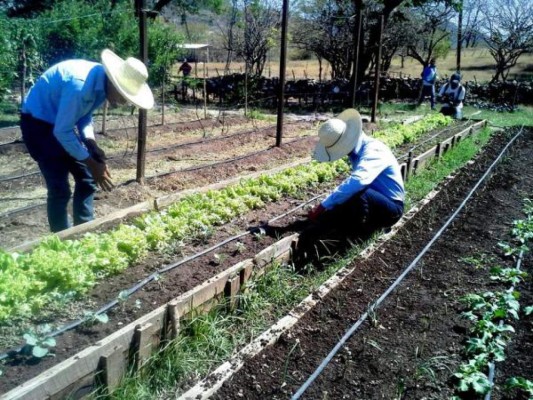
x=100 y=173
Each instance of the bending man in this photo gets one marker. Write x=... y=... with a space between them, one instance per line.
x=372 y=197
x=62 y=99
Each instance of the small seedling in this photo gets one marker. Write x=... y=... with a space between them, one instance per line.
x=260 y=234
x=220 y=258
x=40 y=341
x=91 y=318
x=521 y=384
x=240 y=247
x=138 y=304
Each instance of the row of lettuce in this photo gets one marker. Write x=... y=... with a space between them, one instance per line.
x=491 y=314
x=55 y=268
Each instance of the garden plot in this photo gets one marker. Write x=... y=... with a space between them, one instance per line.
x=180 y=163
x=212 y=262
x=412 y=345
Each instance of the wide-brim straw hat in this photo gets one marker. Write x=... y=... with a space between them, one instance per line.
x=338 y=136
x=129 y=78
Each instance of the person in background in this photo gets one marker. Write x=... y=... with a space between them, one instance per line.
x=429 y=77
x=56 y=125
x=372 y=197
x=185 y=68
x=452 y=95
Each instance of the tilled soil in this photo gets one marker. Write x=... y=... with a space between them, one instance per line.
x=169 y=286
x=413 y=343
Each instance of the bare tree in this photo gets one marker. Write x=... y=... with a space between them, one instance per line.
x=325 y=28
x=471 y=19
x=508 y=32
x=429 y=37
x=258 y=34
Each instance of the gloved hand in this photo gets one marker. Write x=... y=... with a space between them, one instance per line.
x=95 y=151
x=100 y=173
x=316 y=212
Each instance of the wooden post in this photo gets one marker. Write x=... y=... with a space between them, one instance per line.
x=378 y=62
x=163 y=96
x=459 y=36
x=144 y=343
x=112 y=368
x=282 y=68
x=143 y=115
x=357 y=47
x=408 y=165
x=231 y=290
x=438 y=151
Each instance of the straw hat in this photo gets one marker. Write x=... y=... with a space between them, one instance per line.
x=129 y=78
x=338 y=136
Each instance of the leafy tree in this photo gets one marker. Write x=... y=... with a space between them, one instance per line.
x=508 y=32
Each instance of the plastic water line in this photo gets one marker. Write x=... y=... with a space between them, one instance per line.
x=376 y=304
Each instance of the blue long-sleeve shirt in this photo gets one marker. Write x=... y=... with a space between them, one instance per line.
x=373 y=166
x=66 y=96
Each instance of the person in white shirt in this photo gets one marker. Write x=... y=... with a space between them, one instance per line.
x=452 y=95
x=372 y=197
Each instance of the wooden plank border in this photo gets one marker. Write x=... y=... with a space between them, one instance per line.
x=77 y=376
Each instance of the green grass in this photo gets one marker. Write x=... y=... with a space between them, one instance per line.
x=206 y=341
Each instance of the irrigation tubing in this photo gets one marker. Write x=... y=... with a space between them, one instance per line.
x=376 y=304
x=190 y=169
x=191 y=143
x=492 y=365
x=154 y=276
x=431 y=138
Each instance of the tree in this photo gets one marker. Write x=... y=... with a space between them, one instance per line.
x=471 y=21
x=257 y=34
x=429 y=37
x=508 y=32
x=325 y=28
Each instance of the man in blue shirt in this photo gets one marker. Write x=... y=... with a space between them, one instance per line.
x=429 y=76
x=56 y=124
x=372 y=196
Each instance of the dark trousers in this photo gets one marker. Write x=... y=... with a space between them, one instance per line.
x=355 y=220
x=428 y=91
x=56 y=165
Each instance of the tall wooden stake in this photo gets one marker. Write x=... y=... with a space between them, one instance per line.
x=282 y=68
x=141 y=137
x=357 y=34
x=378 y=62
x=459 y=36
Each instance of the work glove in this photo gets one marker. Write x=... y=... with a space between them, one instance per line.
x=95 y=151
x=316 y=212
x=100 y=174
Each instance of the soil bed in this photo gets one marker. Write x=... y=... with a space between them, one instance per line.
x=169 y=286
x=413 y=343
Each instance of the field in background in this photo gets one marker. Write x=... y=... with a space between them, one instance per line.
x=477 y=64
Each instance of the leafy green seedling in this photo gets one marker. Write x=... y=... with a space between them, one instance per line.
x=220 y=258
x=471 y=378
x=521 y=384
x=91 y=318
x=40 y=341
x=240 y=247
x=511 y=275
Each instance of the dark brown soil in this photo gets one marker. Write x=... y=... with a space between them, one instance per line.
x=169 y=286
x=412 y=345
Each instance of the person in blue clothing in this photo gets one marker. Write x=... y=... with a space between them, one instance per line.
x=429 y=77
x=372 y=197
x=56 y=125
x=452 y=95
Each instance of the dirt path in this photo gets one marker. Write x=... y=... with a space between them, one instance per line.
x=414 y=340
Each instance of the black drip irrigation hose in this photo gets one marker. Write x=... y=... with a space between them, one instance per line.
x=214 y=164
x=154 y=276
x=406 y=155
x=190 y=169
x=398 y=280
x=191 y=143
x=492 y=365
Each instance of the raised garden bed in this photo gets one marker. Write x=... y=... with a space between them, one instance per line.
x=159 y=299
